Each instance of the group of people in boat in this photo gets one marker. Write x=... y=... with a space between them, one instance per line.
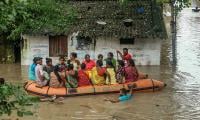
x=72 y=73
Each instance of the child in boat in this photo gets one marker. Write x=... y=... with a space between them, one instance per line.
x=72 y=76
x=39 y=73
x=48 y=68
x=88 y=62
x=73 y=60
x=83 y=76
x=131 y=72
x=111 y=71
x=31 y=70
x=120 y=73
x=110 y=57
x=124 y=94
x=61 y=65
x=99 y=74
x=57 y=79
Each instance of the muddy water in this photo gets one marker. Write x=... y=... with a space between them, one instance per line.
x=180 y=100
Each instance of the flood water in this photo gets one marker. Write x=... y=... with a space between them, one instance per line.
x=180 y=100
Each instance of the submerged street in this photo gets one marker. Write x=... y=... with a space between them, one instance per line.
x=180 y=100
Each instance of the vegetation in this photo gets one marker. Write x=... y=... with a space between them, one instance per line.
x=13 y=98
x=35 y=16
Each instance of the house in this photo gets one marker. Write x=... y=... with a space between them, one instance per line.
x=102 y=27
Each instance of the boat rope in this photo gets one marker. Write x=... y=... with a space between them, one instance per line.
x=48 y=90
x=153 y=86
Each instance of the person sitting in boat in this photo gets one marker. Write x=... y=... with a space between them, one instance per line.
x=131 y=72
x=120 y=73
x=125 y=56
x=31 y=70
x=57 y=78
x=49 y=66
x=124 y=94
x=40 y=80
x=83 y=76
x=111 y=71
x=110 y=57
x=88 y=62
x=61 y=65
x=99 y=74
x=73 y=60
x=72 y=75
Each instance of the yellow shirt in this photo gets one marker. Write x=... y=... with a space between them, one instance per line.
x=97 y=79
x=112 y=76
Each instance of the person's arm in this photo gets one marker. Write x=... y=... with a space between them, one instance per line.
x=118 y=52
x=112 y=100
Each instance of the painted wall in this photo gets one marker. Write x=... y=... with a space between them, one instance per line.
x=144 y=51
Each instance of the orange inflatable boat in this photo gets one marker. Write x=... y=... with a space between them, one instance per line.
x=141 y=85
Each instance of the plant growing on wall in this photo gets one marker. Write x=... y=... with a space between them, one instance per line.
x=13 y=98
x=35 y=17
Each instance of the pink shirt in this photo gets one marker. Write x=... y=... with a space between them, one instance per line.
x=89 y=65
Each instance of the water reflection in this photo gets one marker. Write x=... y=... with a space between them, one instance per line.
x=180 y=100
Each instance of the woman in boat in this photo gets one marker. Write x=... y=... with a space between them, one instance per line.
x=111 y=71
x=57 y=78
x=99 y=74
x=110 y=57
x=72 y=76
x=131 y=72
x=73 y=60
x=83 y=76
x=120 y=73
x=125 y=56
x=31 y=70
x=61 y=65
x=88 y=62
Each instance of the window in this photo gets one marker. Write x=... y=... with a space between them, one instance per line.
x=57 y=46
x=127 y=40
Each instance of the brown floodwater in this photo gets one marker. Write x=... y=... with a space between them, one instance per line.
x=180 y=100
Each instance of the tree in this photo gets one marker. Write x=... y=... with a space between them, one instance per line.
x=35 y=17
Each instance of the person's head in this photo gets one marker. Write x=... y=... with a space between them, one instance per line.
x=73 y=55
x=2 y=81
x=131 y=62
x=83 y=66
x=39 y=60
x=121 y=63
x=100 y=57
x=62 y=60
x=123 y=91
x=35 y=60
x=87 y=58
x=109 y=64
x=70 y=67
x=110 y=55
x=125 y=51
x=99 y=63
x=48 y=61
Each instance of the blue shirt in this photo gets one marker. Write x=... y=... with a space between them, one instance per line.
x=31 y=72
x=125 y=97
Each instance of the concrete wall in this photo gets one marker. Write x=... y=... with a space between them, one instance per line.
x=144 y=51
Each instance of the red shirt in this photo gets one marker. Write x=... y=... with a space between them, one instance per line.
x=127 y=56
x=83 y=78
x=89 y=65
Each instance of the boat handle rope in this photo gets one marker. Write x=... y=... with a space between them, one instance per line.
x=153 y=85
x=48 y=90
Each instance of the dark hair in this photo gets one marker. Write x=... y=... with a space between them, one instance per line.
x=111 y=54
x=109 y=62
x=74 y=54
x=2 y=81
x=121 y=62
x=48 y=60
x=132 y=63
x=56 y=69
x=87 y=55
x=100 y=55
x=62 y=57
x=125 y=49
x=70 y=67
x=124 y=91
x=35 y=59
x=83 y=66
x=99 y=63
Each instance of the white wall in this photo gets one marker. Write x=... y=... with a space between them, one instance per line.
x=144 y=51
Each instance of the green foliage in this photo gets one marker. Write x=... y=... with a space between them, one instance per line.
x=35 y=16
x=13 y=98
